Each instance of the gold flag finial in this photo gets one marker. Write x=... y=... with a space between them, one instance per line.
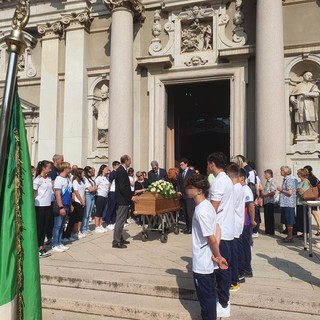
x=21 y=15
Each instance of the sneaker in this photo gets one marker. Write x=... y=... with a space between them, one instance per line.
x=110 y=227
x=64 y=247
x=103 y=229
x=65 y=240
x=73 y=238
x=81 y=235
x=98 y=230
x=74 y=235
x=129 y=221
x=223 y=312
x=43 y=253
x=255 y=235
x=125 y=225
x=241 y=278
x=57 y=249
x=235 y=287
x=87 y=233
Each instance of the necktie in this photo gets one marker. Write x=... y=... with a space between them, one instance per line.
x=157 y=175
x=183 y=174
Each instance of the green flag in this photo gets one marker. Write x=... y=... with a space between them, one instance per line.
x=20 y=295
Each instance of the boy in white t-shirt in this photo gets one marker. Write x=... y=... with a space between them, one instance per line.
x=245 y=241
x=205 y=248
x=221 y=197
x=238 y=194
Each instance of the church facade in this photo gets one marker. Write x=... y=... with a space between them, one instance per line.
x=162 y=80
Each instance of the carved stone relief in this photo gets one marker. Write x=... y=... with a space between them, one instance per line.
x=304 y=105
x=100 y=111
x=196 y=61
x=197 y=29
x=196 y=37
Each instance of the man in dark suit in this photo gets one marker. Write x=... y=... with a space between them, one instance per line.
x=157 y=173
x=186 y=203
x=123 y=195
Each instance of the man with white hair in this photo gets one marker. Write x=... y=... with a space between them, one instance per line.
x=157 y=173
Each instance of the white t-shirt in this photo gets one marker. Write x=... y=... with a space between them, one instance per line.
x=248 y=198
x=103 y=186
x=239 y=209
x=81 y=188
x=88 y=184
x=65 y=185
x=203 y=225
x=221 y=190
x=132 y=180
x=44 y=188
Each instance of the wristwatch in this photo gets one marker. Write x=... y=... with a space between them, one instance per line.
x=61 y=207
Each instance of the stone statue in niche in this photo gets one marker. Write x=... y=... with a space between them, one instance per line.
x=101 y=113
x=304 y=99
x=196 y=37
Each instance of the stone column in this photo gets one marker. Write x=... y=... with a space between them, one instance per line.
x=270 y=126
x=49 y=93
x=75 y=88
x=121 y=77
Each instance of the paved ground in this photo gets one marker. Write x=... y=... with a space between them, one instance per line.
x=286 y=280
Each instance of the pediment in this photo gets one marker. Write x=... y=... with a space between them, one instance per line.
x=28 y=108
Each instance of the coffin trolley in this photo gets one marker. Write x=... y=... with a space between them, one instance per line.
x=157 y=214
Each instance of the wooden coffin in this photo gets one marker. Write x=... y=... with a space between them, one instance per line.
x=152 y=203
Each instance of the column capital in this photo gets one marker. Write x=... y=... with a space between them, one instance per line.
x=135 y=6
x=75 y=20
x=51 y=30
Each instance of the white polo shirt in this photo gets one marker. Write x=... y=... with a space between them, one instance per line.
x=203 y=225
x=221 y=190
x=44 y=188
x=239 y=209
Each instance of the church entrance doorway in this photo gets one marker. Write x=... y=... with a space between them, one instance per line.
x=198 y=121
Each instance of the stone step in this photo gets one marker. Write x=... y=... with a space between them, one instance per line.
x=52 y=314
x=257 y=292
x=150 y=282
x=237 y=313
x=119 y=305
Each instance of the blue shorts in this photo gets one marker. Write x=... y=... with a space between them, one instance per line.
x=287 y=215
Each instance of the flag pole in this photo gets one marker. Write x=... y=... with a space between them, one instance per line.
x=16 y=46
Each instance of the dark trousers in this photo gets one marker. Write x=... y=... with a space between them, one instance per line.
x=71 y=222
x=206 y=291
x=122 y=214
x=235 y=261
x=269 y=218
x=111 y=208
x=50 y=223
x=299 y=226
x=257 y=219
x=245 y=250
x=223 y=277
x=43 y=215
x=188 y=210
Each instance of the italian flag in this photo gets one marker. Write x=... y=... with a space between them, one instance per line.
x=20 y=295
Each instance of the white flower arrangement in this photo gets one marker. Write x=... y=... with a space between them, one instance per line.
x=164 y=188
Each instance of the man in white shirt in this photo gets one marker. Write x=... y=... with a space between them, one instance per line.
x=221 y=197
x=205 y=246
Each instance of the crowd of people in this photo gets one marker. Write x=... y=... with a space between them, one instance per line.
x=220 y=209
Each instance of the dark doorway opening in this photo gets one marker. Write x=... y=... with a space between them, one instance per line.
x=200 y=114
